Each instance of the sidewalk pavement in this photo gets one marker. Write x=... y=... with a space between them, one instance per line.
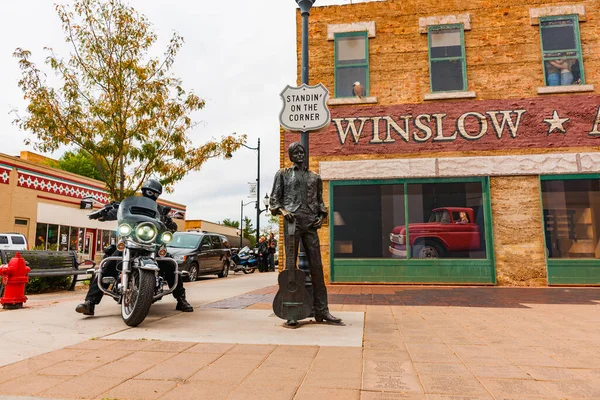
x=400 y=343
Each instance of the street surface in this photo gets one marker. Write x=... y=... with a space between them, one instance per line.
x=399 y=342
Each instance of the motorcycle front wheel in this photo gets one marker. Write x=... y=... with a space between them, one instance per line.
x=138 y=298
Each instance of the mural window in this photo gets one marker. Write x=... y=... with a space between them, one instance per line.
x=413 y=220
x=446 y=220
x=366 y=218
x=561 y=51
x=572 y=218
x=447 y=66
x=41 y=232
x=351 y=64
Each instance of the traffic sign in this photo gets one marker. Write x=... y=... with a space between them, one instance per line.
x=305 y=108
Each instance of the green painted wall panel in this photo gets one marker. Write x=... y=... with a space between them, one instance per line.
x=574 y=272
x=355 y=271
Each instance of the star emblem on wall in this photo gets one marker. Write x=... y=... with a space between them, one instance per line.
x=556 y=123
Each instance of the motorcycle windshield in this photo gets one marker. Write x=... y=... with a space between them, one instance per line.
x=137 y=209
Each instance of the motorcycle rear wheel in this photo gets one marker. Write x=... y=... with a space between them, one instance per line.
x=136 y=302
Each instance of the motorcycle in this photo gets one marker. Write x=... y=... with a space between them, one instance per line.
x=142 y=239
x=245 y=260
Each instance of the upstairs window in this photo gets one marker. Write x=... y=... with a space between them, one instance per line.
x=447 y=67
x=351 y=64
x=561 y=51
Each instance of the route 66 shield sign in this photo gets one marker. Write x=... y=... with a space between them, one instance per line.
x=305 y=108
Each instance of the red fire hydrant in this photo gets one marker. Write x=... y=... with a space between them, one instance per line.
x=14 y=277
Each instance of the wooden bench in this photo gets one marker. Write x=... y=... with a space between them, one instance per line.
x=50 y=263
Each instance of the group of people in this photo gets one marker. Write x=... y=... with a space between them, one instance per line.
x=267 y=247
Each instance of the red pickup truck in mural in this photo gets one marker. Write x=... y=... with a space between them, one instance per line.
x=449 y=229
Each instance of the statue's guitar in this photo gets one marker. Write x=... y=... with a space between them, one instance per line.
x=292 y=301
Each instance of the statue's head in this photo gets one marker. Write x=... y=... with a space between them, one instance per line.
x=297 y=152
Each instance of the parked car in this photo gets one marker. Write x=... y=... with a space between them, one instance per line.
x=13 y=241
x=201 y=253
x=449 y=229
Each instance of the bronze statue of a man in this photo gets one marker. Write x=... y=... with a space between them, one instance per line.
x=298 y=195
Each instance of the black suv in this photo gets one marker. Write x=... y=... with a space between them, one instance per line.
x=200 y=253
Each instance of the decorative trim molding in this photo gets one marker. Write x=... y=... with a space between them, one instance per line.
x=447 y=167
x=351 y=100
x=5 y=173
x=565 y=89
x=368 y=26
x=425 y=22
x=536 y=13
x=449 y=95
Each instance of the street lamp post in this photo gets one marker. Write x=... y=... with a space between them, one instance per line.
x=258 y=210
x=305 y=6
x=265 y=202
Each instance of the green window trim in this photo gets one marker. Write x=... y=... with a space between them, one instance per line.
x=575 y=19
x=337 y=67
x=462 y=58
x=564 y=271
x=486 y=266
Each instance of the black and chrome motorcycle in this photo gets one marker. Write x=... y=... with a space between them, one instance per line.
x=142 y=240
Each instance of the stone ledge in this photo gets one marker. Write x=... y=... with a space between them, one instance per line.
x=368 y=26
x=425 y=22
x=351 y=100
x=565 y=89
x=449 y=95
x=446 y=167
x=536 y=13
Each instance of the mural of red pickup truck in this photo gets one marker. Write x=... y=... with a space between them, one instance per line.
x=449 y=229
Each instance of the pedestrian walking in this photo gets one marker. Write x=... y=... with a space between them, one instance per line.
x=272 y=249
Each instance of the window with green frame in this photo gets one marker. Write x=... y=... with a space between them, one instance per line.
x=447 y=65
x=351 y=63
x=561 y=50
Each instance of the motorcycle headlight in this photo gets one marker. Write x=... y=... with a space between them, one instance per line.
x=146 y=232
x=124 y=230
x=166 y=237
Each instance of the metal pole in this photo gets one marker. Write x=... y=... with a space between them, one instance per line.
x=305 y=6
x=257 y=193
x=241 y=223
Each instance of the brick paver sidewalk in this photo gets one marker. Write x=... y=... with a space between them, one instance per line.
x=521 y=344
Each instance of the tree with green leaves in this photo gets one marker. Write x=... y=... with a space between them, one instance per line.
x=231 y=223
x=249 y=231
x=114 y=101
x=78 y=162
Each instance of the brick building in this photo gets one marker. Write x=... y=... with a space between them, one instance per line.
x=45 y=204
x=464 y=145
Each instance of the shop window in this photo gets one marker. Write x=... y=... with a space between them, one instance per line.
x=106 y=239
x=63 y=238
x=561 y=51
x=365 y=217
x=351 y=64
x=52 y=242
x=41 y=233
x=447 y=66
x=74 y=239
x=446 y=220
x=572 y=218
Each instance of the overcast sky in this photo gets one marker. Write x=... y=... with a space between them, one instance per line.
x=238 y=56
